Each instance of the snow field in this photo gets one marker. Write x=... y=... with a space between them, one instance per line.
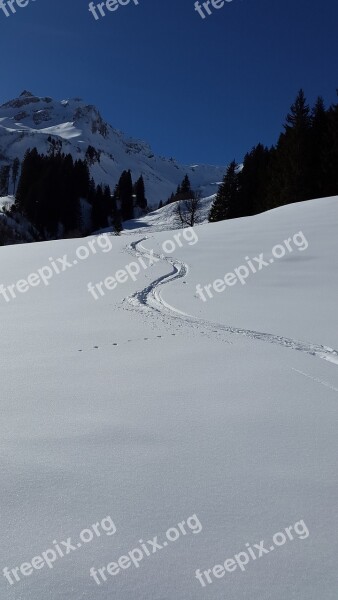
x=127 y=407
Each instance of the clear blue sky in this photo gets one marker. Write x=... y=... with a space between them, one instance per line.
x=199 y=90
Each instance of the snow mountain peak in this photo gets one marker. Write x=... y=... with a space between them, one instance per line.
x=30 y=121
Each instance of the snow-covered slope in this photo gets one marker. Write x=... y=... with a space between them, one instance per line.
x=165 y=218
x=29 y=121
x=149 y=406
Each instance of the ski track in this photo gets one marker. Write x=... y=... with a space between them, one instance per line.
x=150 y=299
x=317 y=380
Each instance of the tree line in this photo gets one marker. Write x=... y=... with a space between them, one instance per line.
x=301 y=166
x=59 y=198
x=9 y=174
x=183 y=192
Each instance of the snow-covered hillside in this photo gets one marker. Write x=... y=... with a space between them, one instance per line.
x=165 y=218
x=30 y=121
x=150 y=406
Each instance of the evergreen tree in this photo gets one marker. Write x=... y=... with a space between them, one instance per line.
x=30 y=173
x=49 y=191
x=185 y=189
x=69 y=197
x=125 y=196
x=291 y=168
x=103 y=209
x=298 y=119
x=4 y=180
x=43 y=199
x=139 y=190
x=225 y=204
x=171 y=199
x=253 y=180
x=330 y=153
x=98 y=210
x=107 y=206
x=116 y=216
x=91 y=191
x=81 y=178
x=15 y=173
x=319 y=135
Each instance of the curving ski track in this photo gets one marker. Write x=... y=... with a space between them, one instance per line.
x=150 y=299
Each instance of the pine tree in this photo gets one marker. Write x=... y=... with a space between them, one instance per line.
x=291 y=168
x=81 y=178
x=91 y=191
x=319 y=135
x=115 y=213
x=107 y=206
x=15 y=173
x=74 y=188
x=298 y=119
x=49 y=191
x=4 y=180
x=253 y=181
x=330 y=153
x=98 y=210
x=224 y=205
x=139 y=190
x=125 y=196
x=171 y=199
x=185 y=189
x=30 y=173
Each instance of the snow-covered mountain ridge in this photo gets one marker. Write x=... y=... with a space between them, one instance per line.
x=31 y=121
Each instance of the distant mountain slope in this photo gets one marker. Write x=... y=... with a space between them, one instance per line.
x=30 y=121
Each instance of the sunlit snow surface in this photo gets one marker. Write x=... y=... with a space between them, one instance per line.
x=150 y=405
